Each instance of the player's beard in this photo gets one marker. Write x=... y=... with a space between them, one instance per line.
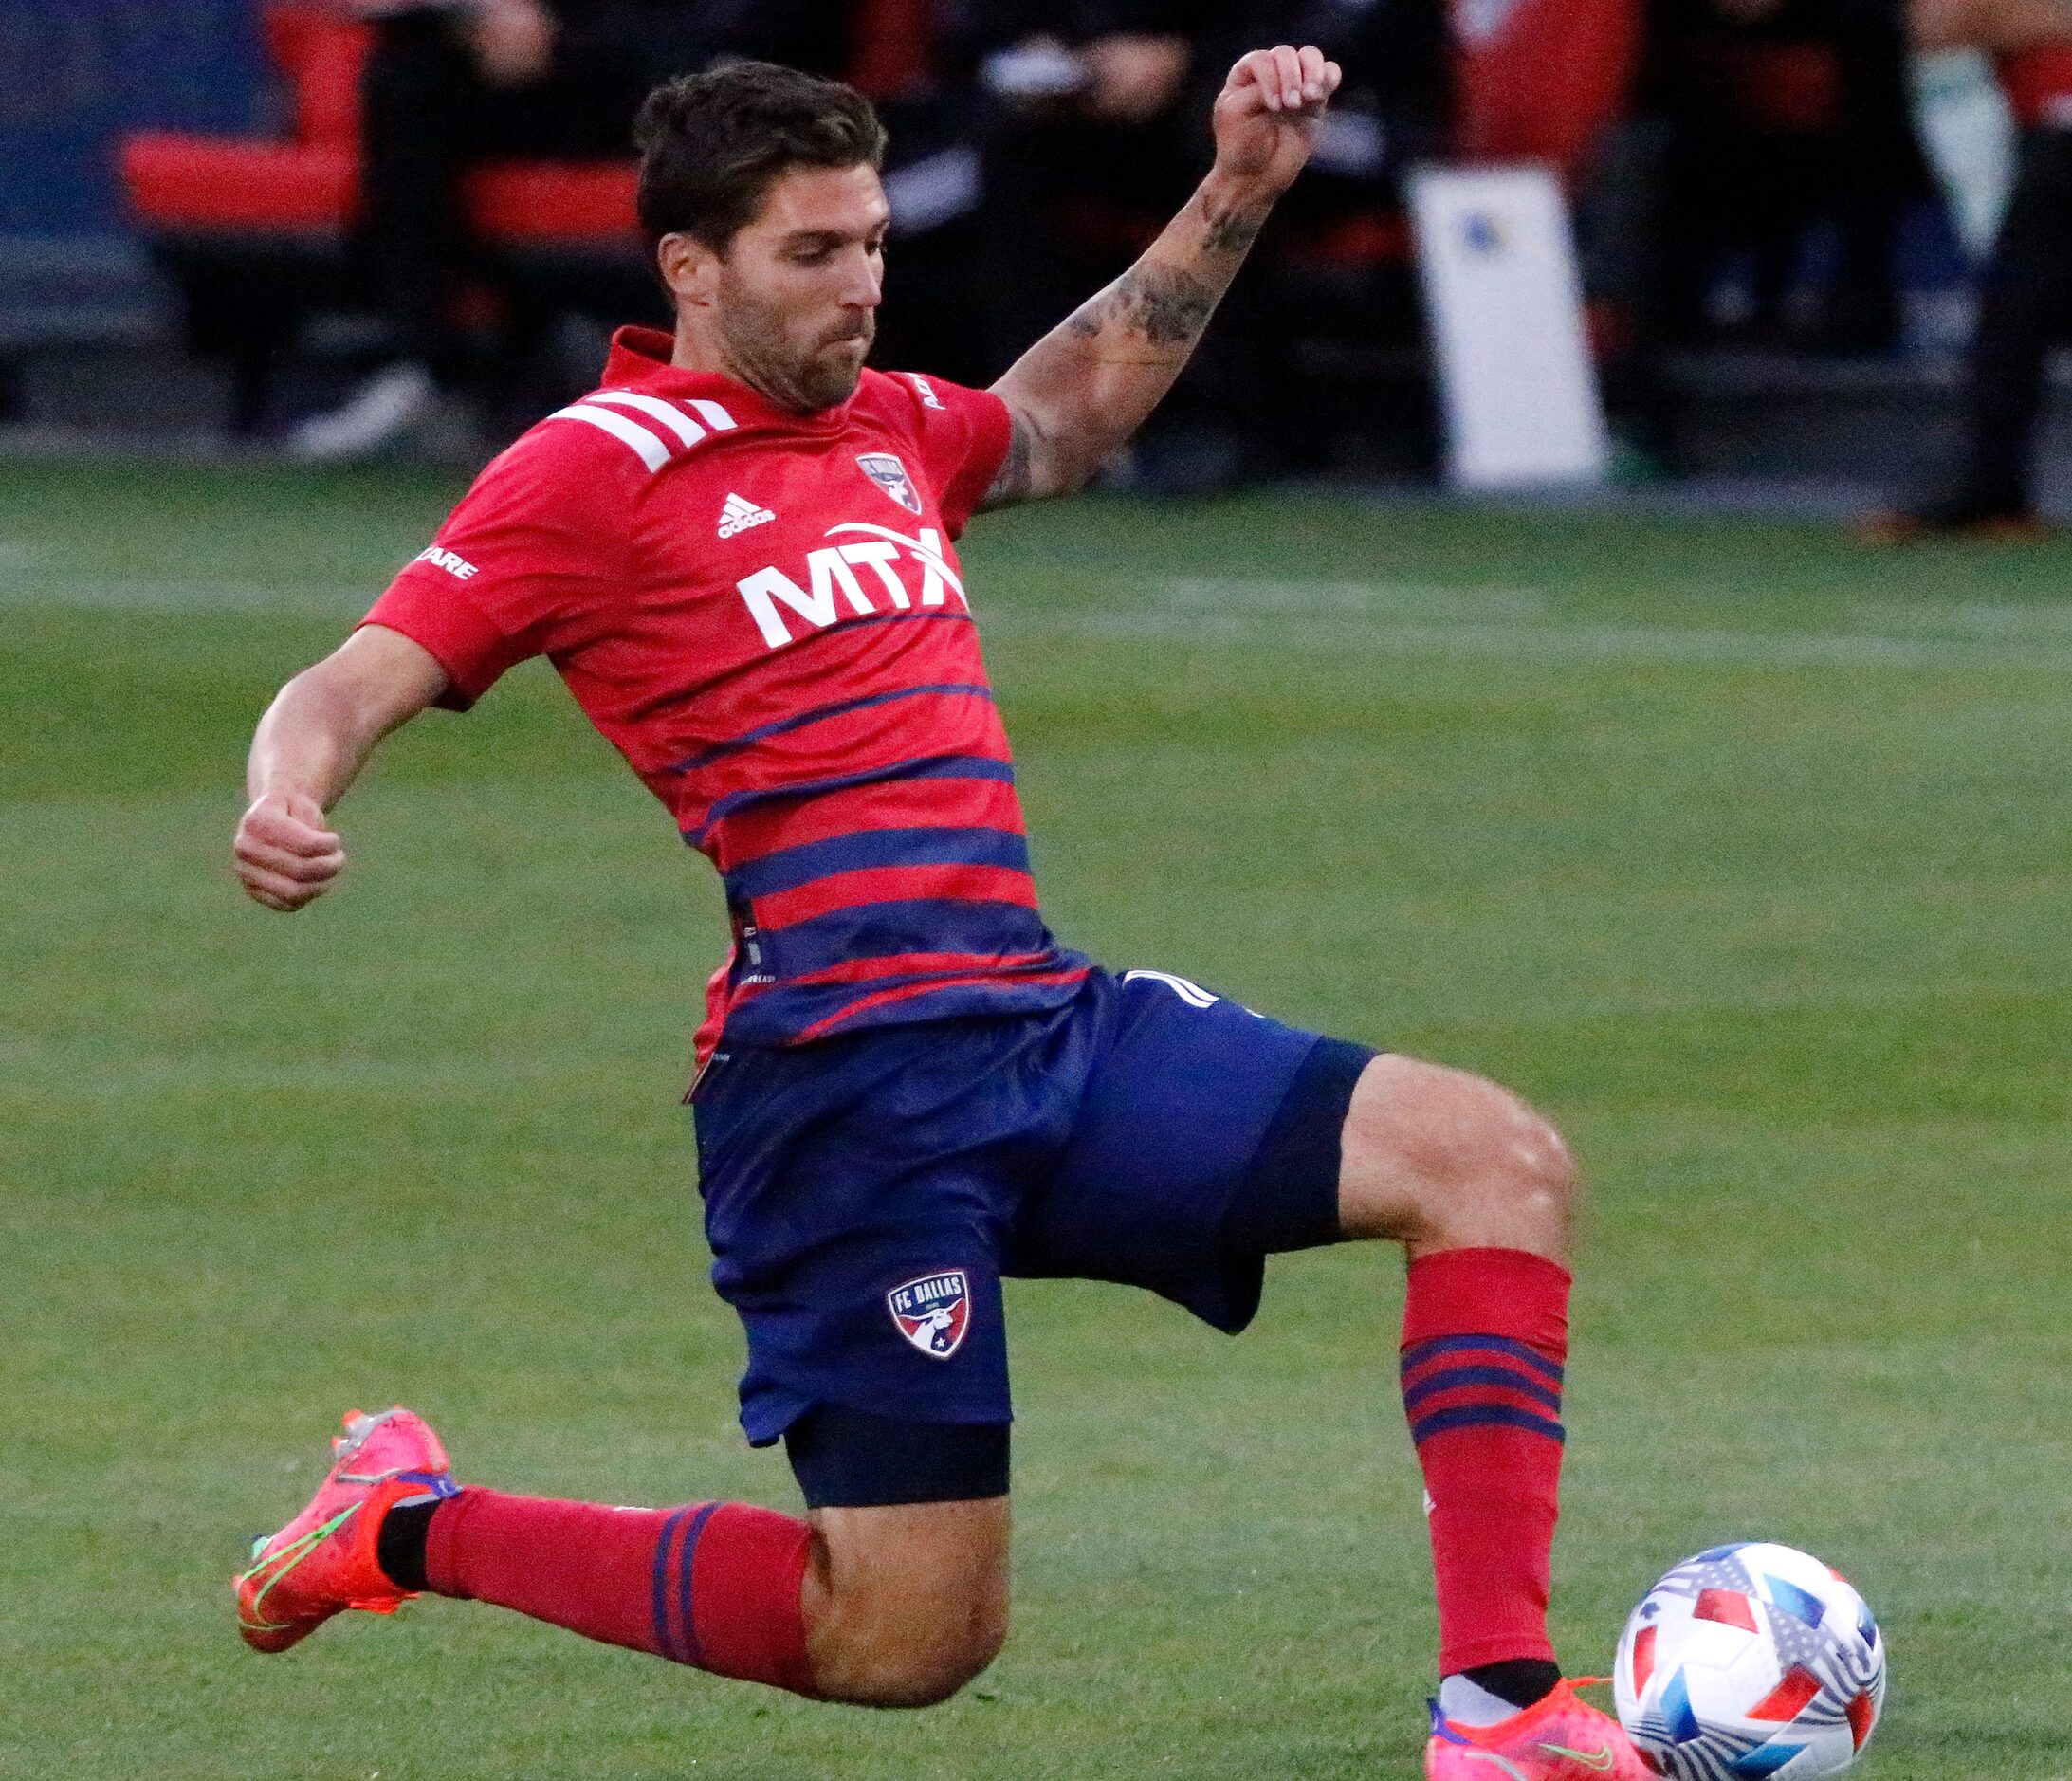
x=766 y=356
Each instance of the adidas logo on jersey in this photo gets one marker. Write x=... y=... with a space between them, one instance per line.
x=739 y=515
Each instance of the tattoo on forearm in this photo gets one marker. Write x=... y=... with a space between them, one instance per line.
x=1162 y=305
x=1233 y=232
x=1082 y=389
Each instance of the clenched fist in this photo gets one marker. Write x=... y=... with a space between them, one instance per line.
x=286 y=854
x=1265 y=113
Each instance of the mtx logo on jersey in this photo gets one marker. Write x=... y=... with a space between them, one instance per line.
x=933 y=1312
x=891 y=475
x=833 y=568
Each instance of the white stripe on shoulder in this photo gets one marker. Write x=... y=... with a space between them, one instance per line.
x=673 y=419
x=714 y=415
x=651 y=451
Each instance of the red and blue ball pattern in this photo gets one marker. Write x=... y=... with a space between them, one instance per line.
x=1749 y=1661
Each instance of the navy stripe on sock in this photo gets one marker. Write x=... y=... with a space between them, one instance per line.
x=661 y=1578
x=1502 y=1345
x=690 y=1653
x=1451 y=1378
x=1485 y=1416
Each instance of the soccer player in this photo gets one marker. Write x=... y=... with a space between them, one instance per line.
x=737 y=553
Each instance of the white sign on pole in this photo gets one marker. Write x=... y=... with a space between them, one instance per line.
x=1506 y=307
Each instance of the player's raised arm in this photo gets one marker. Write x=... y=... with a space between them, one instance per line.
x=1079 y=393
x=313 y=741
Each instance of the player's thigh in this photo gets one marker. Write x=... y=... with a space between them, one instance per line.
x=1206 y=1139
x=855 y=1210
x=1439 y=1158
x=907 y=1603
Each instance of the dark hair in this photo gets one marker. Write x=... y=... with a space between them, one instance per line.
x=712 y=144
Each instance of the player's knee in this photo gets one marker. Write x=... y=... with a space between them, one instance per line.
x=905 y=1604
x=1454 y=1160
x=883 y=1643
x=908 y=1666
x=930 y=1676
x=1511 y=1167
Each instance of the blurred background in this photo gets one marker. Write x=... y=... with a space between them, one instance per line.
x=337 y=231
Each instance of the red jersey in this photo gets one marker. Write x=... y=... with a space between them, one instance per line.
x=762 y=612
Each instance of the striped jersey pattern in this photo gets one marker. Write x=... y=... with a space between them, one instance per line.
x=764 y=612
x=620 y=413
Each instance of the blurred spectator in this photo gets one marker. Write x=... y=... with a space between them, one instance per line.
x=907 y=61
x=447 y=84
x=1777 y=115
x=1086 y=114
x=1755 y=192
x=1331 y=310
x=1087 y=146
x=2026 y=295
x=1093 y=117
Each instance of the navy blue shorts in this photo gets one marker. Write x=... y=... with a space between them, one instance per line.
x=864 y=1195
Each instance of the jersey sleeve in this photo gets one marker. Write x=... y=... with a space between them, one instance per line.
x=527 y=564
x=964 y=435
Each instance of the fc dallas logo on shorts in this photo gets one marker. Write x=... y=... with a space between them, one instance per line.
x=891 y=475
x=933 y=1312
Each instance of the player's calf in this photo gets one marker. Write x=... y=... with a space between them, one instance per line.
x=885 y=1607
x=1480 y=1190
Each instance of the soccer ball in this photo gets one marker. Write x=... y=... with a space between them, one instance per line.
x=1751 y=1660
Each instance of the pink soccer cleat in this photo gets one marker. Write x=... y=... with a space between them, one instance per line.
x=1559 y=1738
x=323 y=1560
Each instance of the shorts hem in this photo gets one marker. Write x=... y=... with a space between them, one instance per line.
x=766 y=1431
x=846 y=1459
x=1287 y=1197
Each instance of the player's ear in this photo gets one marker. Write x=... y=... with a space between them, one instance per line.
x=690 y=269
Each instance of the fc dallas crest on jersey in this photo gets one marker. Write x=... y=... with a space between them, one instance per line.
x=891 y=475
x=933 y=1312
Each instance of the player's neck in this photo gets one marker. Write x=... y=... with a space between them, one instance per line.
x=696 y=350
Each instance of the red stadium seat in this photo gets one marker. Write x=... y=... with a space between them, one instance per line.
x=183 y=184
x=182 y=187
x=555 y=203
x=200 y=184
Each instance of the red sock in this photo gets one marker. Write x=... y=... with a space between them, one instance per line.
x=712 y=1585
x=1485 y=1332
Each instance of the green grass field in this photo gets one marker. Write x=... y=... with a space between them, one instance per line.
x=1745 y=856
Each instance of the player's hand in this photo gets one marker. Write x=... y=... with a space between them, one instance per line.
x=1266 y=113
x=286 y=854
x=512 y=39
x=1132 y=75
